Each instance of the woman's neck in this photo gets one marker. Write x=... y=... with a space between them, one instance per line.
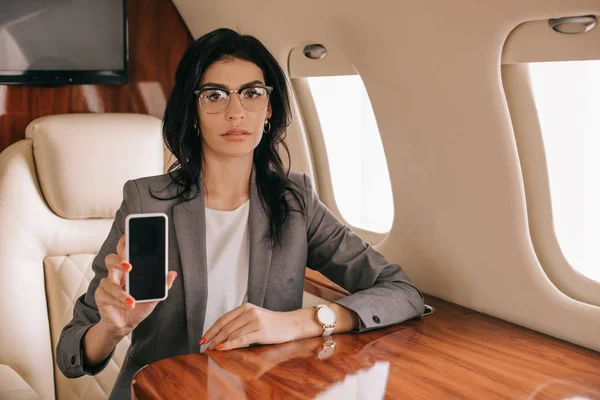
x=226 y=182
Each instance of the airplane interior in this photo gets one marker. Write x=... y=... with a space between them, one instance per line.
x=457 y=139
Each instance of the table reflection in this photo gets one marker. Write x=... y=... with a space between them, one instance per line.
x=354 y=376
x=565 y=390
x=367 y=384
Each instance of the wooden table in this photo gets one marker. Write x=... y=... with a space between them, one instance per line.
x=454 y=353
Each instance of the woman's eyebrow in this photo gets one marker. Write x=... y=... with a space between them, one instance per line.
x=222 y=85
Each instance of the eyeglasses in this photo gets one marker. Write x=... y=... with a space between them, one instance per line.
x=215 y=100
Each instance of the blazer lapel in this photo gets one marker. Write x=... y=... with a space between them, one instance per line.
x=189 y=221
x=260 y=249
x=190 y=228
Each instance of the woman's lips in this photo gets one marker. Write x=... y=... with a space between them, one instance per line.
x=236 y=131
x=236 y=135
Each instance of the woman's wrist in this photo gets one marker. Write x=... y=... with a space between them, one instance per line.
x=111 y=336
x=305 y=323
x=99 y=341
x=307 y=326
x=347 y=320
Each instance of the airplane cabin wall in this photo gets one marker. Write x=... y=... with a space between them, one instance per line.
x=432 y=71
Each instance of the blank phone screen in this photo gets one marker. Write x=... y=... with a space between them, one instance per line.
x=147 y=258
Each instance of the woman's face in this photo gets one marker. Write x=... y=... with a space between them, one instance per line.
x=218 y=138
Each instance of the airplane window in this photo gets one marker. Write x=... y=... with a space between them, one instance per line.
x=567 y=98
x=359 y=172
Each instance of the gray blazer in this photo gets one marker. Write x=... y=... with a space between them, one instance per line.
x=381 y=292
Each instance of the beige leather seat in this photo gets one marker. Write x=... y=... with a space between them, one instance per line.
x=12 y=386
x=59 y=191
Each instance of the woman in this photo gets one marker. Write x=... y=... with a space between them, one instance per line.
x=242 y=231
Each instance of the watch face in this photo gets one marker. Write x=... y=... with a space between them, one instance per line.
x=326 y=316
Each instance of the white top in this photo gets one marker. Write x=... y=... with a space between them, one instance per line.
x=228 y=258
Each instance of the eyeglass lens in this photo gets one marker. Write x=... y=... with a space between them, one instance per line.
x=215 y=100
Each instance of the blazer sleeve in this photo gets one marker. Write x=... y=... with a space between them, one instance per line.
x=381 y=293
x=69 y=350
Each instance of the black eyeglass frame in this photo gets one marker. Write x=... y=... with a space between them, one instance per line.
x=198 y=92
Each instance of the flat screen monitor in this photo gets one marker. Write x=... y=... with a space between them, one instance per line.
x=61 y=42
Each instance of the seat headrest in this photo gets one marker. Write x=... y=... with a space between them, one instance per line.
x=83 y=160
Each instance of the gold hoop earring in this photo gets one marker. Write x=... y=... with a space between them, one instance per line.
x=267 y=129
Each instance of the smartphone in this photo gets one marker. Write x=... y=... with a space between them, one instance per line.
x=146 y=249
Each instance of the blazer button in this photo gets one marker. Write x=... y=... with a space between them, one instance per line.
x=376 y=319
x=73 y=360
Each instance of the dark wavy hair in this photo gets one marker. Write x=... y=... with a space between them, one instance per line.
x=182 y=139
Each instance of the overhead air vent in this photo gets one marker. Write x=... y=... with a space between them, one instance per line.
x=315 y=51
x=573 y=25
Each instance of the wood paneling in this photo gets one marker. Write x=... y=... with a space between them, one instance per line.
x=157 y=40
x=455 y=353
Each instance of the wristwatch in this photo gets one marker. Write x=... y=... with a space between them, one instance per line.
x=326 y=317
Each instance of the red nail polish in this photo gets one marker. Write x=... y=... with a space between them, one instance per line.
x=207 y=350
x=126 y=267
x=219 y=346
x=129 y=301
x=203 y=340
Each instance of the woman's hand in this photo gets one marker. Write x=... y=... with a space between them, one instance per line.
x=118 y=312
x=250 y=324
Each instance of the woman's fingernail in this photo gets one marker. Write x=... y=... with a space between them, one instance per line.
x=130 y=301
x=126 y=267
x=203 y=340
x=207 y=350
x=219 y=346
